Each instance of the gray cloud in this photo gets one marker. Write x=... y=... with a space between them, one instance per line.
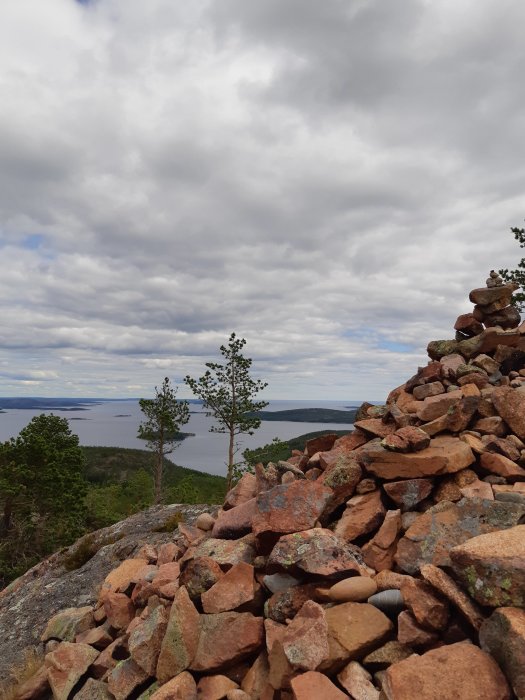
x=328 y=180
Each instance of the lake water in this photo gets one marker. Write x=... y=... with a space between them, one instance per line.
x=115 y=424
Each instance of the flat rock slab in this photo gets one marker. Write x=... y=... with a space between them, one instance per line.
x=445 y=455
x=66 y=665
x=492 y=567
x=290 y=508
x=355 y=629
x=316 y=551
x=453 y=672
x=510 y=404
x=445 y=525
x=226 y=638
x=503 y=636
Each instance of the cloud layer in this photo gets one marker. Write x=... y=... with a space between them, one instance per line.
x=328 y=180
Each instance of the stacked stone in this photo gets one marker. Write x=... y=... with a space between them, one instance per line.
x=387 y=564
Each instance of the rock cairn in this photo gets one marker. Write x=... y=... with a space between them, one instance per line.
x=387 y=564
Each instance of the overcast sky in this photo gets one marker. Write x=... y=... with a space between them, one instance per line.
x=326 y=179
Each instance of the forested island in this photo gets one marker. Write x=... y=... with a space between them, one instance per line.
x=309 y=415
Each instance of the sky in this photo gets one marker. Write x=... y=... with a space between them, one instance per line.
x=328 y=180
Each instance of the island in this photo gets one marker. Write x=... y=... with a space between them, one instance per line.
x=308 y=415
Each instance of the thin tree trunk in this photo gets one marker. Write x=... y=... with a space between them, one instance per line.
x=6 y=520
x=230 y=461
x=158 y=469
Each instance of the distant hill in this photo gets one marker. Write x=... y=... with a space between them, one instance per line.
x=309 y=415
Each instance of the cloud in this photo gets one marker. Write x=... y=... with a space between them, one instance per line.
x=328 y=180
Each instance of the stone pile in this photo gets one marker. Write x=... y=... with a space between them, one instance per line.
x=387 y=564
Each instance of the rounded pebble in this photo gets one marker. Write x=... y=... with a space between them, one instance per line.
x=354 y=589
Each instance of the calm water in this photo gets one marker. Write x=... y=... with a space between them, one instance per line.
x=115 y=424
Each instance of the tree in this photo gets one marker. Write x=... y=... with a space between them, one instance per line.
x=165 y=414
x=42 y=490
x=517 y=275
x=228 y=391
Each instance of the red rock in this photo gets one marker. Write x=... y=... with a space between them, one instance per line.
x=289 y=508
x=236 y=522
x=493 y=425
x=256 y=680
x=244 y=490
x=236 y=587
x=430 y=539
x=379 y=552
x=317 y=551
x=412 y=634
x=478 y=489
x=358 y=682
x=460 y=415
x=503 y=636
x=357 y=627
x=452 y=672
x=488 y=341
x=444 y=455
x=109 y=657
x=413 y=439
x=226 y=552
x=119 y=610
x=390 y=653
x=121 y=578
x=342 y=477
x=68 y=623
x=280 y=669
x=506 y=318
x=214 y=687
x=344 y=445
x=91 y=690
x=182 y=687
x=125 y=678
x=66 y=665
x=312 y=685
x=363 y=514
x=285 y=604
x=449 y=588
x=450 y=364
x=226 y=638
x=486 y=296
x=323 y=443
x=167 y=552
x=167 y=573
x=200 y=575
x=435 y=406
x=181 y=639
x=467 y=324
x=492 y=567
x=146 y=639
x=431 y=389
x=386 y=580
x=427 y=607
x=98 y=637
x=408 y=493
x=505 y=447
x=305 y=640
x=498 y=464
x=375 y=426
x=510 y=404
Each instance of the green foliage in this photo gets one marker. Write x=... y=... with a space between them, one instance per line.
x=517 y=275
x=42 y=489
x=163 y=417
x=184 y=492
x=228 y=392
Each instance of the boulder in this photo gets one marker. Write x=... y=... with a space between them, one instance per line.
x=444 y=455
x=363 y=514
x=503 y=636
x=236 y=587
x=226 y=638
x=445 y=525
x=492 y=567
x=66 y=665
x=451 y=672
x=181 y=638
x=510 y=404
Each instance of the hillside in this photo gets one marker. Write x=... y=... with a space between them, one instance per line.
x=309 y=415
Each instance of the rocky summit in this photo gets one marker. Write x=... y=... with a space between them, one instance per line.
x=388 y=564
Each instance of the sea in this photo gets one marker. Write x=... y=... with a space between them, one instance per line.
x=115 y=423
